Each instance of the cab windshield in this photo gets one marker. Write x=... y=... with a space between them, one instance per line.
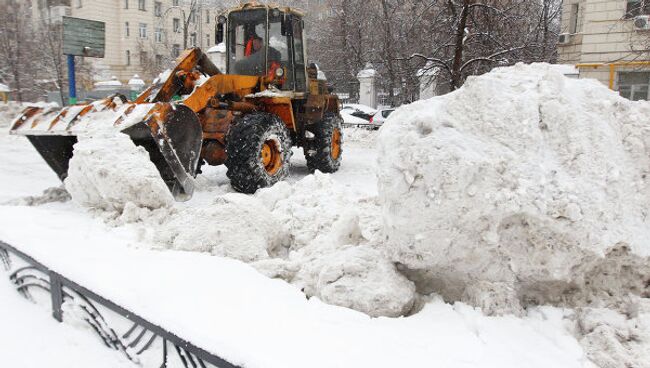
x=247 y=33
x=249 y=54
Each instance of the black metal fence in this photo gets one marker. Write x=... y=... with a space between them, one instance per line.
x=137 y=339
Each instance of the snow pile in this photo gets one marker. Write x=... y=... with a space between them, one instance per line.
x=360 y=137
x=108 y=171
x=614 y=339
x=330 y=255
x=307 y=208
x=522 y=177
x=522 y=188
x=234 y=225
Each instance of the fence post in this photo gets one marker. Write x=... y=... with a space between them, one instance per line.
x=56 y=290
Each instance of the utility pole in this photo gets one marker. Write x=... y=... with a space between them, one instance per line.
x=72 y=81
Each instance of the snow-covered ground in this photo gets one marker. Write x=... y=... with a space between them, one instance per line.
x=31 y=338
x=291 y=276
x=227 y=299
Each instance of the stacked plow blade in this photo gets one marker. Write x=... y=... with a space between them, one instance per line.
x=170 y=133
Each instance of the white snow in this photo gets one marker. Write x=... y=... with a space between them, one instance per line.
x=31 y=338
x=344 y=251
x=218 y=303
x=110 y=83
x=217 y=48
x=162 y=77
x=108 y=171
x=4 y=88
x=364 y=108
x=271 y=92
x=522 y=188
x=367 y=73
x=353 y=120
x=235 y=226
x=136 y=81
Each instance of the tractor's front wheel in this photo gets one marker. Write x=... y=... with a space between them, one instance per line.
x=259 y=149
x=324 y=150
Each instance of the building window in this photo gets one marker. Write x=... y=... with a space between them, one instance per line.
x=143 y=58
x=126 y=4
x=127 y=32
x=159 y=60
x=157 y=9
x=177 y=25
x=79 y=4
x=159 y=35
x=207 y=16
x=128 y=57
x=141 y=4
x=637 y=7
x=573 y=18
x=207 y=39
x=193 y=16
x=634 y=85
x=143 y=30
x=175 y=3
x=176 y=50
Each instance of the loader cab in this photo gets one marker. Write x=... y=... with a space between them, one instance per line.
x=265 y=41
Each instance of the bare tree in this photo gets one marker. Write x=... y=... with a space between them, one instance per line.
x=484 y=34
x=456 y=37
x=52 y=61
x=16 y=43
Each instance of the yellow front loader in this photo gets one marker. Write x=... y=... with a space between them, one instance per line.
x=247 y=117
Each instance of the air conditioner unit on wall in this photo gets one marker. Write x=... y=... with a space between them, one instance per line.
x=564 y=38
x=642 y=22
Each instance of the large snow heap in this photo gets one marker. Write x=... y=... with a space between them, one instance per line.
x=108 y=171
x=521 y=188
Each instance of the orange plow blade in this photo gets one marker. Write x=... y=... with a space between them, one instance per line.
x=171 y=134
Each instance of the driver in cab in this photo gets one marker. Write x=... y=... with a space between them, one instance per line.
x=254 y=63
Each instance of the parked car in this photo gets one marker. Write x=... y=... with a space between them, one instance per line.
x=380 y=117
x=359 y=111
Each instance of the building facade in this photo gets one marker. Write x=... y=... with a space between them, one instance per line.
x=609 y=40
x=142 y=36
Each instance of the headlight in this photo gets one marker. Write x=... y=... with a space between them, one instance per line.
x=279 y=72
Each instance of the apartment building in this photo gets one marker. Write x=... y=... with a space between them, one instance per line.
x=609 y=40
x=142 y=36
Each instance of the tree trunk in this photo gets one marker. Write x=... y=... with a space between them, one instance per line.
x=456 y=73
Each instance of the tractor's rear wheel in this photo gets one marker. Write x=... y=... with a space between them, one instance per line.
x=325 y=150
x=259 y=149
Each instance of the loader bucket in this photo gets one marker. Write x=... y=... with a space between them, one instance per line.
x=171 y=134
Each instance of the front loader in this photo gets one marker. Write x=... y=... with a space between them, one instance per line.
x=247 y=117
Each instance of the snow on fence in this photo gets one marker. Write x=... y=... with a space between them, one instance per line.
x=34 y=275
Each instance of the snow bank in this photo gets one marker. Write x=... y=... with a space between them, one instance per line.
x=234 y=225
x=108 y=170
x=530 y=183
x=330 y=255
x=612 y=339
x=360 y=137
x=357 y=277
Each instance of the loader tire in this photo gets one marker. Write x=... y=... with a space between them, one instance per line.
x=259 y=150
x=325 y=150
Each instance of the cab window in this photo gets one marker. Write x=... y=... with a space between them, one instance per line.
x=247 y=37
x=299 y=56
x=280 y=51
